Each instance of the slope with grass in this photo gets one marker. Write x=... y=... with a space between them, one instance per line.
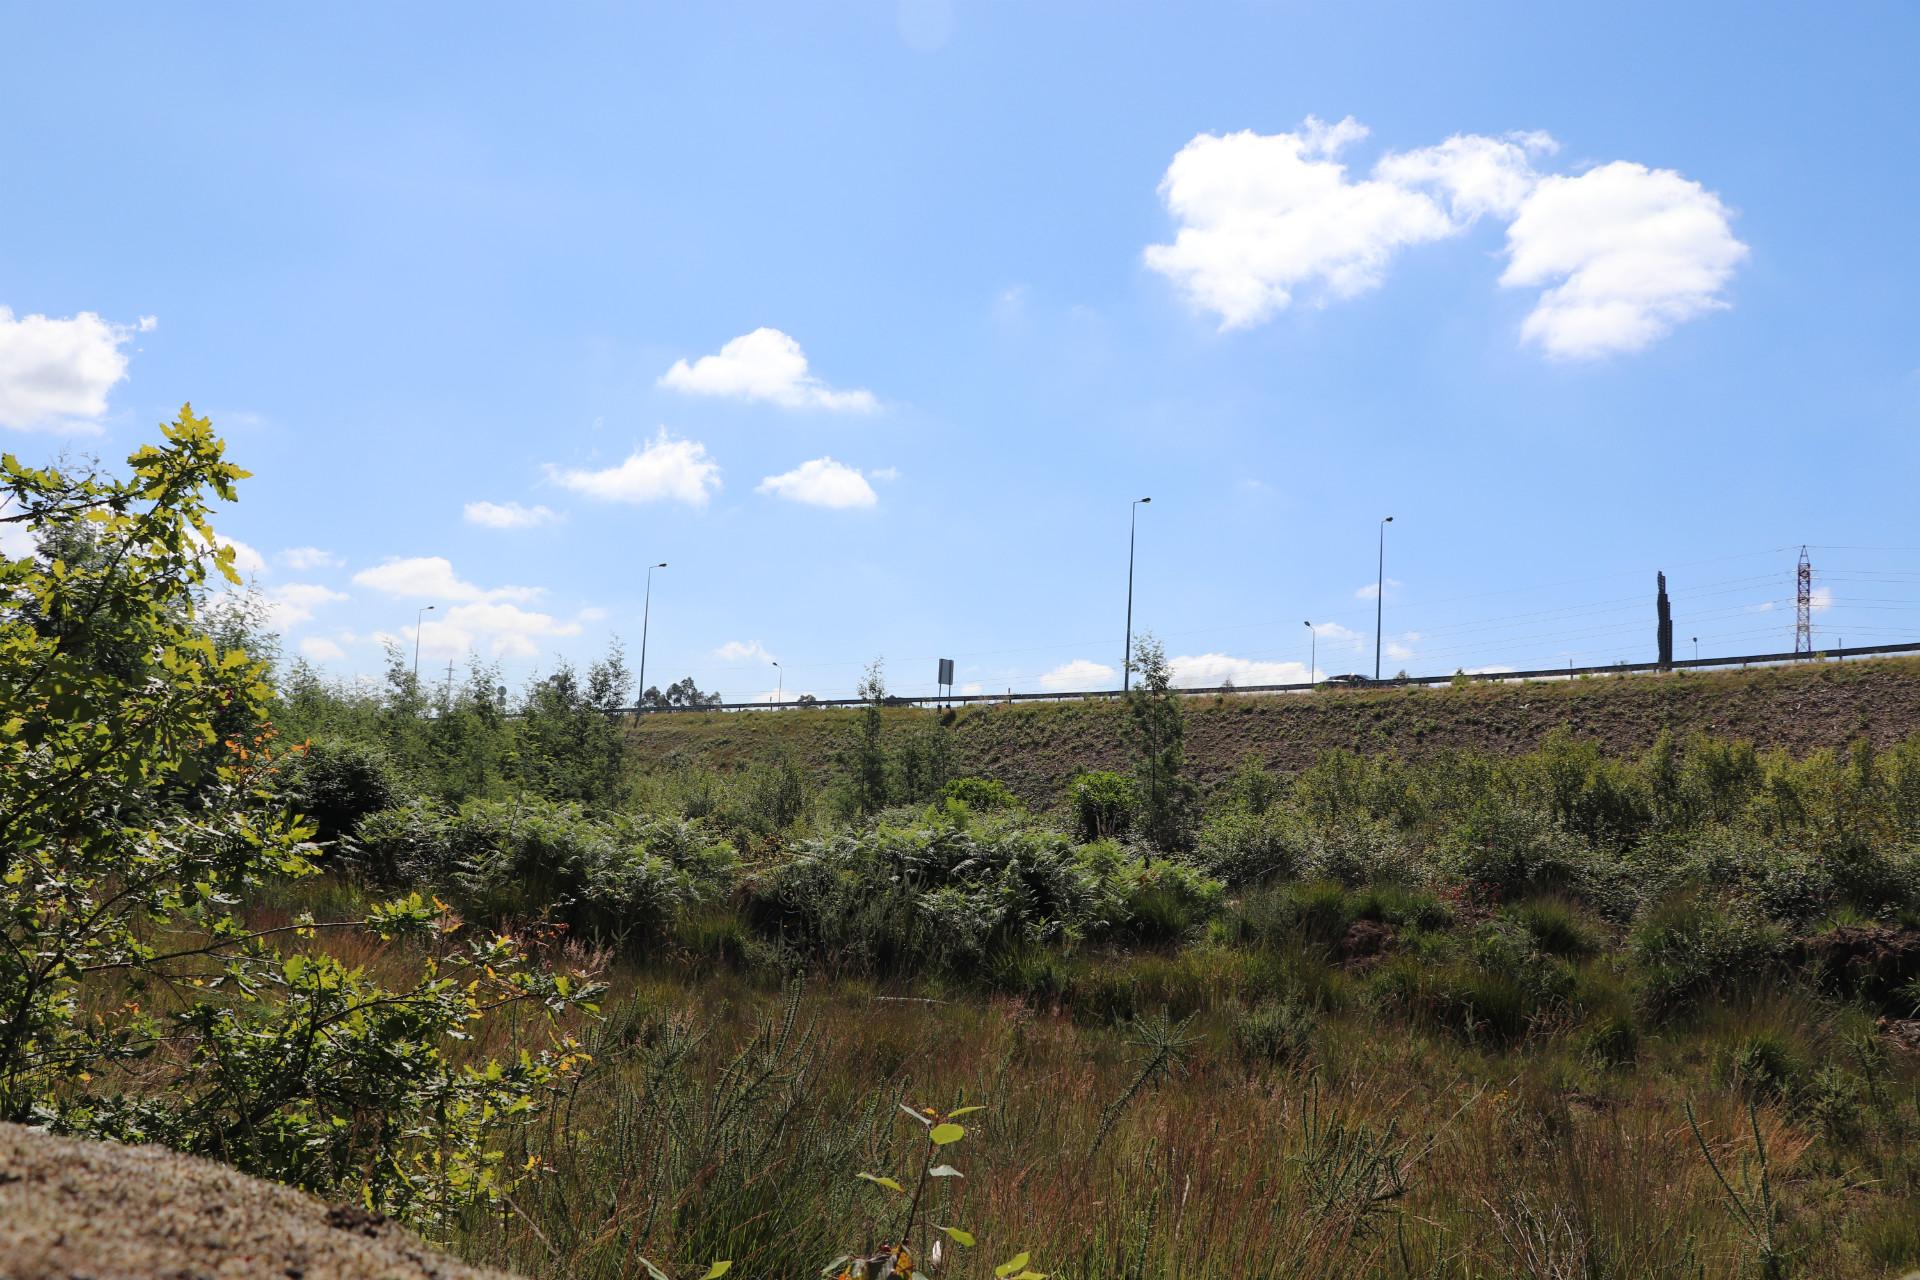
x=1035 y=748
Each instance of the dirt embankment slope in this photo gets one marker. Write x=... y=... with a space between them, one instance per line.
x=71 y=1209
x=1035 y=748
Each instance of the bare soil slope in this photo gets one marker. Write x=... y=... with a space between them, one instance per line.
x=71 y=1209
x=1035 y=748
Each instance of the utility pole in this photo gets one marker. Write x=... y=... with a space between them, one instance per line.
x=1126 y=661
x=1663 y=609
x=1803 y=606
x=1313 y=645
x=1380 y=597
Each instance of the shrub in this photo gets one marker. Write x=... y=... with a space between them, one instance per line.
x=1274 y=1033
x=1104 y=804
x=1610 y=1040
x=1688 y=946
x=982 y=795
x=1244 y=847
x=335 y=782
x=1556 y=927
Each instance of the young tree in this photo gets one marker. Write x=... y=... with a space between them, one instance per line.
x=130 y=831
x=1159 y=731
x=868 y=759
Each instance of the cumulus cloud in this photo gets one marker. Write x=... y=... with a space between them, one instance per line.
x=56 y=372
x=247 y=562
x=1402 y=649
x=742 y=651
x=1622 y=253
x=293 y=603
x=822 y=482
x=763 y=365
x=432 y=578
x=508 y=515
x=306 y=559
x=502 y=629
x=1821 y=599
x=17 y=540
x=1372 y=590
x=665 y=470
x=320 y=649
x=1079 y=675
x=1634 y=251
x=1334 y=633
x=1210 y=670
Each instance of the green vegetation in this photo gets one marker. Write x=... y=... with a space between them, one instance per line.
x=494 y=962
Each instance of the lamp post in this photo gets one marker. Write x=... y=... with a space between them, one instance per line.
x=1126 y=659
x=1696 y=648
x=780 y=684
x=646 y=616
x=1380 y=596
x=424 y=611
x=1313 y=645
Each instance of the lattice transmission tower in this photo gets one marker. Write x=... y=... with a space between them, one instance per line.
x=1803 y=607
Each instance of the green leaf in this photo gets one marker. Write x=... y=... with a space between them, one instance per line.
x=959 y=1236
x=1011 y=1265
x=957 y=1112
x=884 y=1181
x=944 y=1134
x=717 y=1270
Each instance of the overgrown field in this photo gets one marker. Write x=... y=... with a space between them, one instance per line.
x=1035 y=748
x=1620 y=1003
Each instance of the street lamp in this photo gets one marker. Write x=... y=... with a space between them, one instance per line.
x=1126 y=659
x=1696 y=648
x=1313 y=644
x=780 y=683
x=1380 y=596
x=646 y=616
x=424 y=611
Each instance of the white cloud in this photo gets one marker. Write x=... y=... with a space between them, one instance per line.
x=1765 y=606
x=1636 y=251
x=885 y=475
x=1402 y=649
x=247 y=562
x=17 y=541
x=1080 y=674
x=1822 y=599
x=763 y=365
x=1334 y=633
x=742 y=651
x=666 y=469
x=508 y=515
x=1494 y=669
x=504 y=630
x=432 y=578
x=292 y=603
x=1623 y=253
x=1478 y=175
x=1210 y=670
x=56 y=372
x=307 y=559
x=320 y=649
x=1372 y=590
x=822 y=482
x=1265 y=216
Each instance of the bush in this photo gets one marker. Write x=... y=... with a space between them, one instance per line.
x=620 y=879
x=1688 y=947
x=1104 y=804
x=1274 y=1033
x=982 y=795
x=335 y=782
x=940 y=893
x=1243 y=847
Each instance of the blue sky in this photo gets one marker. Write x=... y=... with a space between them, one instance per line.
x=1573 y=296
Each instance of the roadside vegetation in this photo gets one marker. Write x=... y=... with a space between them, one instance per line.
x=485 y=960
